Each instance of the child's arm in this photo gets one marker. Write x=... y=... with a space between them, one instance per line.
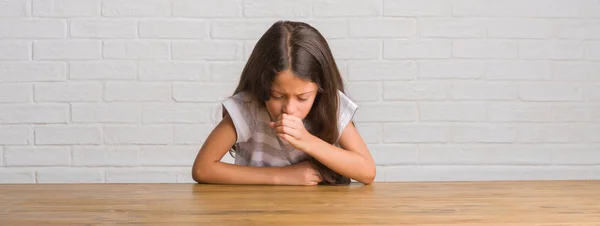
x=353 y=161
x=208 y=167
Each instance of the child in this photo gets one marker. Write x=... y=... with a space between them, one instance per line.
x=288 y=121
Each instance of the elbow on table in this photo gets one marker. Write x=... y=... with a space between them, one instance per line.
x=200 y=175
x=197 y=177
x=369 y=177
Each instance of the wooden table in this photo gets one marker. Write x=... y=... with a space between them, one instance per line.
x=440 y=203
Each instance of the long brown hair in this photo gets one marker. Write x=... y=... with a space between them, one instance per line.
x=299 y=47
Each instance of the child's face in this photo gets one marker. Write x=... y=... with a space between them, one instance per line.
x=291 y=95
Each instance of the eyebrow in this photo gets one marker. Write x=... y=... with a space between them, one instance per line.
x=296 y=94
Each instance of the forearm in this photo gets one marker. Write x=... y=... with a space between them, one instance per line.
x=350 y=164
x=225 y=173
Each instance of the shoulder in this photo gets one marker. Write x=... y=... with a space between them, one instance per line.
x=346 y=104
x=242 y=111
x=346 y=111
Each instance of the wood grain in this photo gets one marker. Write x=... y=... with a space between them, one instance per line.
x=507 y=203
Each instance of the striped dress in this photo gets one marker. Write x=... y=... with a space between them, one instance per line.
x=257 y=144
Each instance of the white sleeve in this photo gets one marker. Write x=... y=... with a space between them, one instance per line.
x=242 y=116
x=346 y=112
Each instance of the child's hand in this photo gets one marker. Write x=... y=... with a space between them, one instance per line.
x=301 y=173
x=291 y=129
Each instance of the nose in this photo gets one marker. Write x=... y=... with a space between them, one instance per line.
x=289 y=107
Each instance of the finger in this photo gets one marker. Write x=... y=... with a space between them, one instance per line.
x=284 y=130
x=281 y=116
x=288 y=138
x=291 y=118
x=319 y=177
x=281 y=135
x=285 y=136
x=315 y=180
x=286 y=122
x=277 y=123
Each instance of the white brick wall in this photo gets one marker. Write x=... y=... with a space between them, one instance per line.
x=117 y=91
